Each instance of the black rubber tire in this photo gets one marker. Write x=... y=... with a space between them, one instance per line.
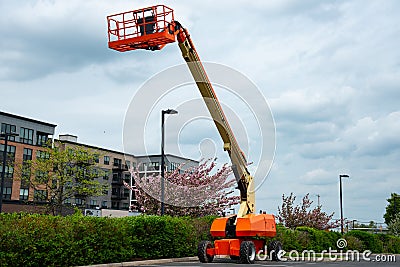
x=247 y=252
x=273 y=249
x=202 y=251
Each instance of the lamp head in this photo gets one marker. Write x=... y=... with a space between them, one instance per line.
x=170 y=111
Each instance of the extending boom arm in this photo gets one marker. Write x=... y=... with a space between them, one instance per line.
x=239 y=163
x=152 y=28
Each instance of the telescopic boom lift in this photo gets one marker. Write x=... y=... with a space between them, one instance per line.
x=152 y=28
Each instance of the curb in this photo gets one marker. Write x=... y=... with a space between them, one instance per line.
x=143 y=263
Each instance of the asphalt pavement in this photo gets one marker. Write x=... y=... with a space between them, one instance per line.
x=226 y=262
x=374 y=260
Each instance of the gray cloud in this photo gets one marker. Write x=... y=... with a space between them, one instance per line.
x=329 y=70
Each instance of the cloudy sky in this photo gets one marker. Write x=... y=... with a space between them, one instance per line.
x=330 y=71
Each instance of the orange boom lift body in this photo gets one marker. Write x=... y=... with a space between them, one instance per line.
x=152 y=28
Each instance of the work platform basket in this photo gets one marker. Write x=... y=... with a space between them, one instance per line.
x=149 y=28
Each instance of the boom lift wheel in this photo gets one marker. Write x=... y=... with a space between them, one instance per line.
x=202 y=251
x=275 y=247
x=247 y=252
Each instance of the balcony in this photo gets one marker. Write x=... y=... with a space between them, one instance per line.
x=120 y=167
x=119 y=197
x=117 y=182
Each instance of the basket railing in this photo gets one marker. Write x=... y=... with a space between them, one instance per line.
x=139 y=22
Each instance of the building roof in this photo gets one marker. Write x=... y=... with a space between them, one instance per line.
x=26 y=119
x=94 y=147
x=167 y=155
x=119 y=152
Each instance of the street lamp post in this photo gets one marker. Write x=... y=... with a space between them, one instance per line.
x=163 y=112
x=318 y=195
x=3 y=172
x=341 y=201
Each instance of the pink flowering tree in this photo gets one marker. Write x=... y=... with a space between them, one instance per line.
x=302 y=215
x=197 y=191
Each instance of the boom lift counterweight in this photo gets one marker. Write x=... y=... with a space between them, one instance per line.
x=152 y=28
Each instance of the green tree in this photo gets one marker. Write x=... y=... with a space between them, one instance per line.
x=392 y=208
x=394 y=225
x=59 y=173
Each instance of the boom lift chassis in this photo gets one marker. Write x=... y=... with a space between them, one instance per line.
x=152 y=28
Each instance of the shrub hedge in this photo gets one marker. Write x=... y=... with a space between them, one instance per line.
x=44 y=240
x=305 y=238
x=377 y=243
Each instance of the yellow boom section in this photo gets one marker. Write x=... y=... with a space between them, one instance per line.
x=239 y=163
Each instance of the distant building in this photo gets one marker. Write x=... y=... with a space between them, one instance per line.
x=34 y=134
x=150 y=164
x=115 y=166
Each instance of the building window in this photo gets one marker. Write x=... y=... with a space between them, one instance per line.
x=27 y=154
x=79 y=201
x=7 y=192
x=106 y=160
x=25 y=172
x=117 y=176
x=95 y=172
x=143 y=167
x=104 y=204
x=117 y=163
x=42 y=154
x=128 y=164
x=125 y=206
x=9 y=171
x=106 y=174
x=115 y=191
x=173 y=166
x=93 y=203
x=67 y=201
x=8 y=128
x=126 y=192
x=115 y=205
x=96 y=158
x=41 y=139
x=127 y=178
x=26 y=136
x=23 y=194
x=10 y=152
x=40 y=195
x=154 y=165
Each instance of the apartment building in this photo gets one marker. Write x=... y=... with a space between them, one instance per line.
x=114 y=166
x=33 y=134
